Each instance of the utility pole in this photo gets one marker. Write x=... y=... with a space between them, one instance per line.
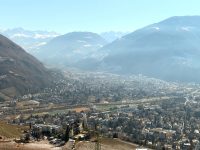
x=98 y=140
x=98 y=143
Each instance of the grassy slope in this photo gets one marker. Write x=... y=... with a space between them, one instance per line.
x=10 y=131
x=107 y=144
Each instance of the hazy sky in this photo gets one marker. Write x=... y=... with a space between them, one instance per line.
x=91 y=15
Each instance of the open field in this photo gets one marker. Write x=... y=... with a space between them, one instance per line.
x=11 y=131
x=63 y=110
x=42 y=145
x=79 y=109
x=136 y=101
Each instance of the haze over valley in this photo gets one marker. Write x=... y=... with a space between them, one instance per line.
x=107 y=75
x=165 y=50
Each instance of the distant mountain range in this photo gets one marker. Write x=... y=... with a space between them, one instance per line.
x=70 y=49
x=19 y=71
x=29 y=40
x=168 y=50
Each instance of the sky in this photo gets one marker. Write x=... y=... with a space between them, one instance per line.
x=98 y=16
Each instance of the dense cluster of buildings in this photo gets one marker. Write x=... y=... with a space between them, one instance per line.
x=171 y=124
x=78 y=88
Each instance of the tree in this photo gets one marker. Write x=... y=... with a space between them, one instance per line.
x=140 y=107
x=67 y=133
